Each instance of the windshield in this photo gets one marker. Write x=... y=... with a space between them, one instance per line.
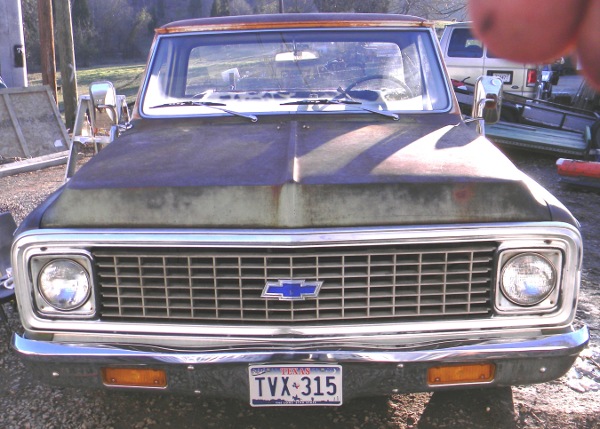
x=310 y=71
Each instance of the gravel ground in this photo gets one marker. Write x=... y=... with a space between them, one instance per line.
x=570 y=402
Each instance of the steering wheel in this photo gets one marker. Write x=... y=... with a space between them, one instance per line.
x=381 y=77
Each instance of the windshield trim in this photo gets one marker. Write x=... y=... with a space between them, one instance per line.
x=450 y=105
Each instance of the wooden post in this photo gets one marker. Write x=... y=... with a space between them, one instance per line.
x=66 y=52
x=46 y=28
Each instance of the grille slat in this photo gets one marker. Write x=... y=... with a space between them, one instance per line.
x=377 y=284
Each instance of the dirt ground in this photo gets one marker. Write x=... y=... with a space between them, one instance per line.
x=570 y=402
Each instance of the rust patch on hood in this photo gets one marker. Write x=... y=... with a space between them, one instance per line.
x=317 y=173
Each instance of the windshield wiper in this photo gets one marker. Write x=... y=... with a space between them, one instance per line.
x=318 y=101
x=310 y=101
x=211 y=104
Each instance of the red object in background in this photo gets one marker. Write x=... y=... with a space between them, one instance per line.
x=575 y=168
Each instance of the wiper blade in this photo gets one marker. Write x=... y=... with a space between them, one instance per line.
x=211 y=104
x=311 y=101
x=385 y=113
x=189 y=103
x=318 y=101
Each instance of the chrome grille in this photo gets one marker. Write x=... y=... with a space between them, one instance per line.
x=224 y=286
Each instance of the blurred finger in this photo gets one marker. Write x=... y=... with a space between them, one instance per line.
x=533 y=31
x=588 y=44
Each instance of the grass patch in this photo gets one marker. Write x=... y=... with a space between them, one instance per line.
x=126 y=79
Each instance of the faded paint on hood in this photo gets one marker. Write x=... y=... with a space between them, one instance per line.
x=295 y=174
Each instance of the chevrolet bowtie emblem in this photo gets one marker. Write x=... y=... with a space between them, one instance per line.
x=292 y=290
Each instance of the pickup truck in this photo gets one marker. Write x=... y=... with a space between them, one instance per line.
x=467 y=58
x=298 y=215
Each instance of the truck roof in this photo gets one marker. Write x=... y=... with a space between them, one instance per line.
x=293 y=20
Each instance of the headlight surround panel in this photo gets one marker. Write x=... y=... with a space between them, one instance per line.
x=513 y=239
x=528 y=280
x=76 y=298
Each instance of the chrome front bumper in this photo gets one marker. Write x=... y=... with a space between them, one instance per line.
x=224 y=373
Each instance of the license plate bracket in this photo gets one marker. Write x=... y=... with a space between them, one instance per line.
x=295 y=385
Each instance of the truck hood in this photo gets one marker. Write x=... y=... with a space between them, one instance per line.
x=295 y=174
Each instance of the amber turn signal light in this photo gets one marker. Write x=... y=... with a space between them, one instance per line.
x=134 y=377
x=461 y=374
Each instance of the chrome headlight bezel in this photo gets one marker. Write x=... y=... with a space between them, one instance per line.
x=546 y=302
x=510 y=238
x=44 y=307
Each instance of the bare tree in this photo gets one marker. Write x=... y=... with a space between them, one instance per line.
x=114 y=20
x=121 y=28
x=450 y=9
x=299 y=6
x=335 y=5
x=372 y=6
x=31 y=31
x=431 y=9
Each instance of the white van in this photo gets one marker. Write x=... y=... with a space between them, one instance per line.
x=467 y=59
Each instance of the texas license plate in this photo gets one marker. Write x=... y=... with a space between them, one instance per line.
x=506 y=77
x=295 y=385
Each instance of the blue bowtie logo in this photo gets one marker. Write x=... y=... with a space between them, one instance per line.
x=292 y=290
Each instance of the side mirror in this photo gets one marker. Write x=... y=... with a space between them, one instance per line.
x=104 y=114
x=101 y=117
x=487 y=101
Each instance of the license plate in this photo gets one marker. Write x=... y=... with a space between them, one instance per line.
x=295 y=385
x=506 y=77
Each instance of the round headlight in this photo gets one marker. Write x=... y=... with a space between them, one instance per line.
x=528 y=279
x=64 y=284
